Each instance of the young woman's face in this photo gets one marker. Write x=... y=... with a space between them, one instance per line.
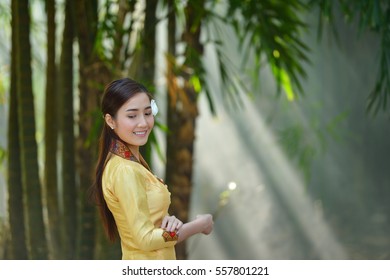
x=134 y=120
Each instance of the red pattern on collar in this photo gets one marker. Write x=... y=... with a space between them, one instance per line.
x=120 y=149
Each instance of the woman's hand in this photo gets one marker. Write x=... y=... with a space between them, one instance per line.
x=202 y=224
x=207 y=223
x=171 y=224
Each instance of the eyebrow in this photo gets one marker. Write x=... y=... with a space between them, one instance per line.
x=132 y=110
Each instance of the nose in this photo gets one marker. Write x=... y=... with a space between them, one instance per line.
x=142 y=122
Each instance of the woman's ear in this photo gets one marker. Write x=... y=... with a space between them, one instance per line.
x=109 y=121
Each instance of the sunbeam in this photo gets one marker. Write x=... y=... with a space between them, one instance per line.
x=270 y=213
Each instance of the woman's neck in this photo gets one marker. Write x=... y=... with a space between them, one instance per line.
x=134 y=151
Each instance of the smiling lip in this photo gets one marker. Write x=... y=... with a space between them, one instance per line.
x=140 y=133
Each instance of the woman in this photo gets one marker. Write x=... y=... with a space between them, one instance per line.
x=132 y=201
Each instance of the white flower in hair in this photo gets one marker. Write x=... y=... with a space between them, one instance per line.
x=153 y=104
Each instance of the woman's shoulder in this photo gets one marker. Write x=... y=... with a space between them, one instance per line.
x=119 y=171
x=117 y=163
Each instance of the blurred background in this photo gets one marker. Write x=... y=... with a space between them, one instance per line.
x=273 y=117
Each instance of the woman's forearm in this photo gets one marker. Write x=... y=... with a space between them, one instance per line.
x=202 y=224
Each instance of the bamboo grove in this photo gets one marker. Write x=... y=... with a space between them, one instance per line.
x=49 y=214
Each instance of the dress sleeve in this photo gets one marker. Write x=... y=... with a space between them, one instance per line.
x=131 y=194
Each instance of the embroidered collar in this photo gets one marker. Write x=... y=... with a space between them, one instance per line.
x=120 y=149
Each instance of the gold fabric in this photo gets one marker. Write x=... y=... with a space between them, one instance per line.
x=138 y=201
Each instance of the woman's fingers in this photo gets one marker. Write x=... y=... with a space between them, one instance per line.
x=164 y=222
x=171 y=223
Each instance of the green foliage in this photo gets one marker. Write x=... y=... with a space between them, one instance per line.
x=113 y=42
x=303 y=143
x=269 y=33
x=299 y=147
x=154 y=141
x=2 y=154
x=369 y=15
x=5 y=19
x=232 y=84
x=270 y=29
x=273 y=29
x=96 y=128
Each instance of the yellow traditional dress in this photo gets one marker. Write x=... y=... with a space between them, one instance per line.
x=138 y=201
